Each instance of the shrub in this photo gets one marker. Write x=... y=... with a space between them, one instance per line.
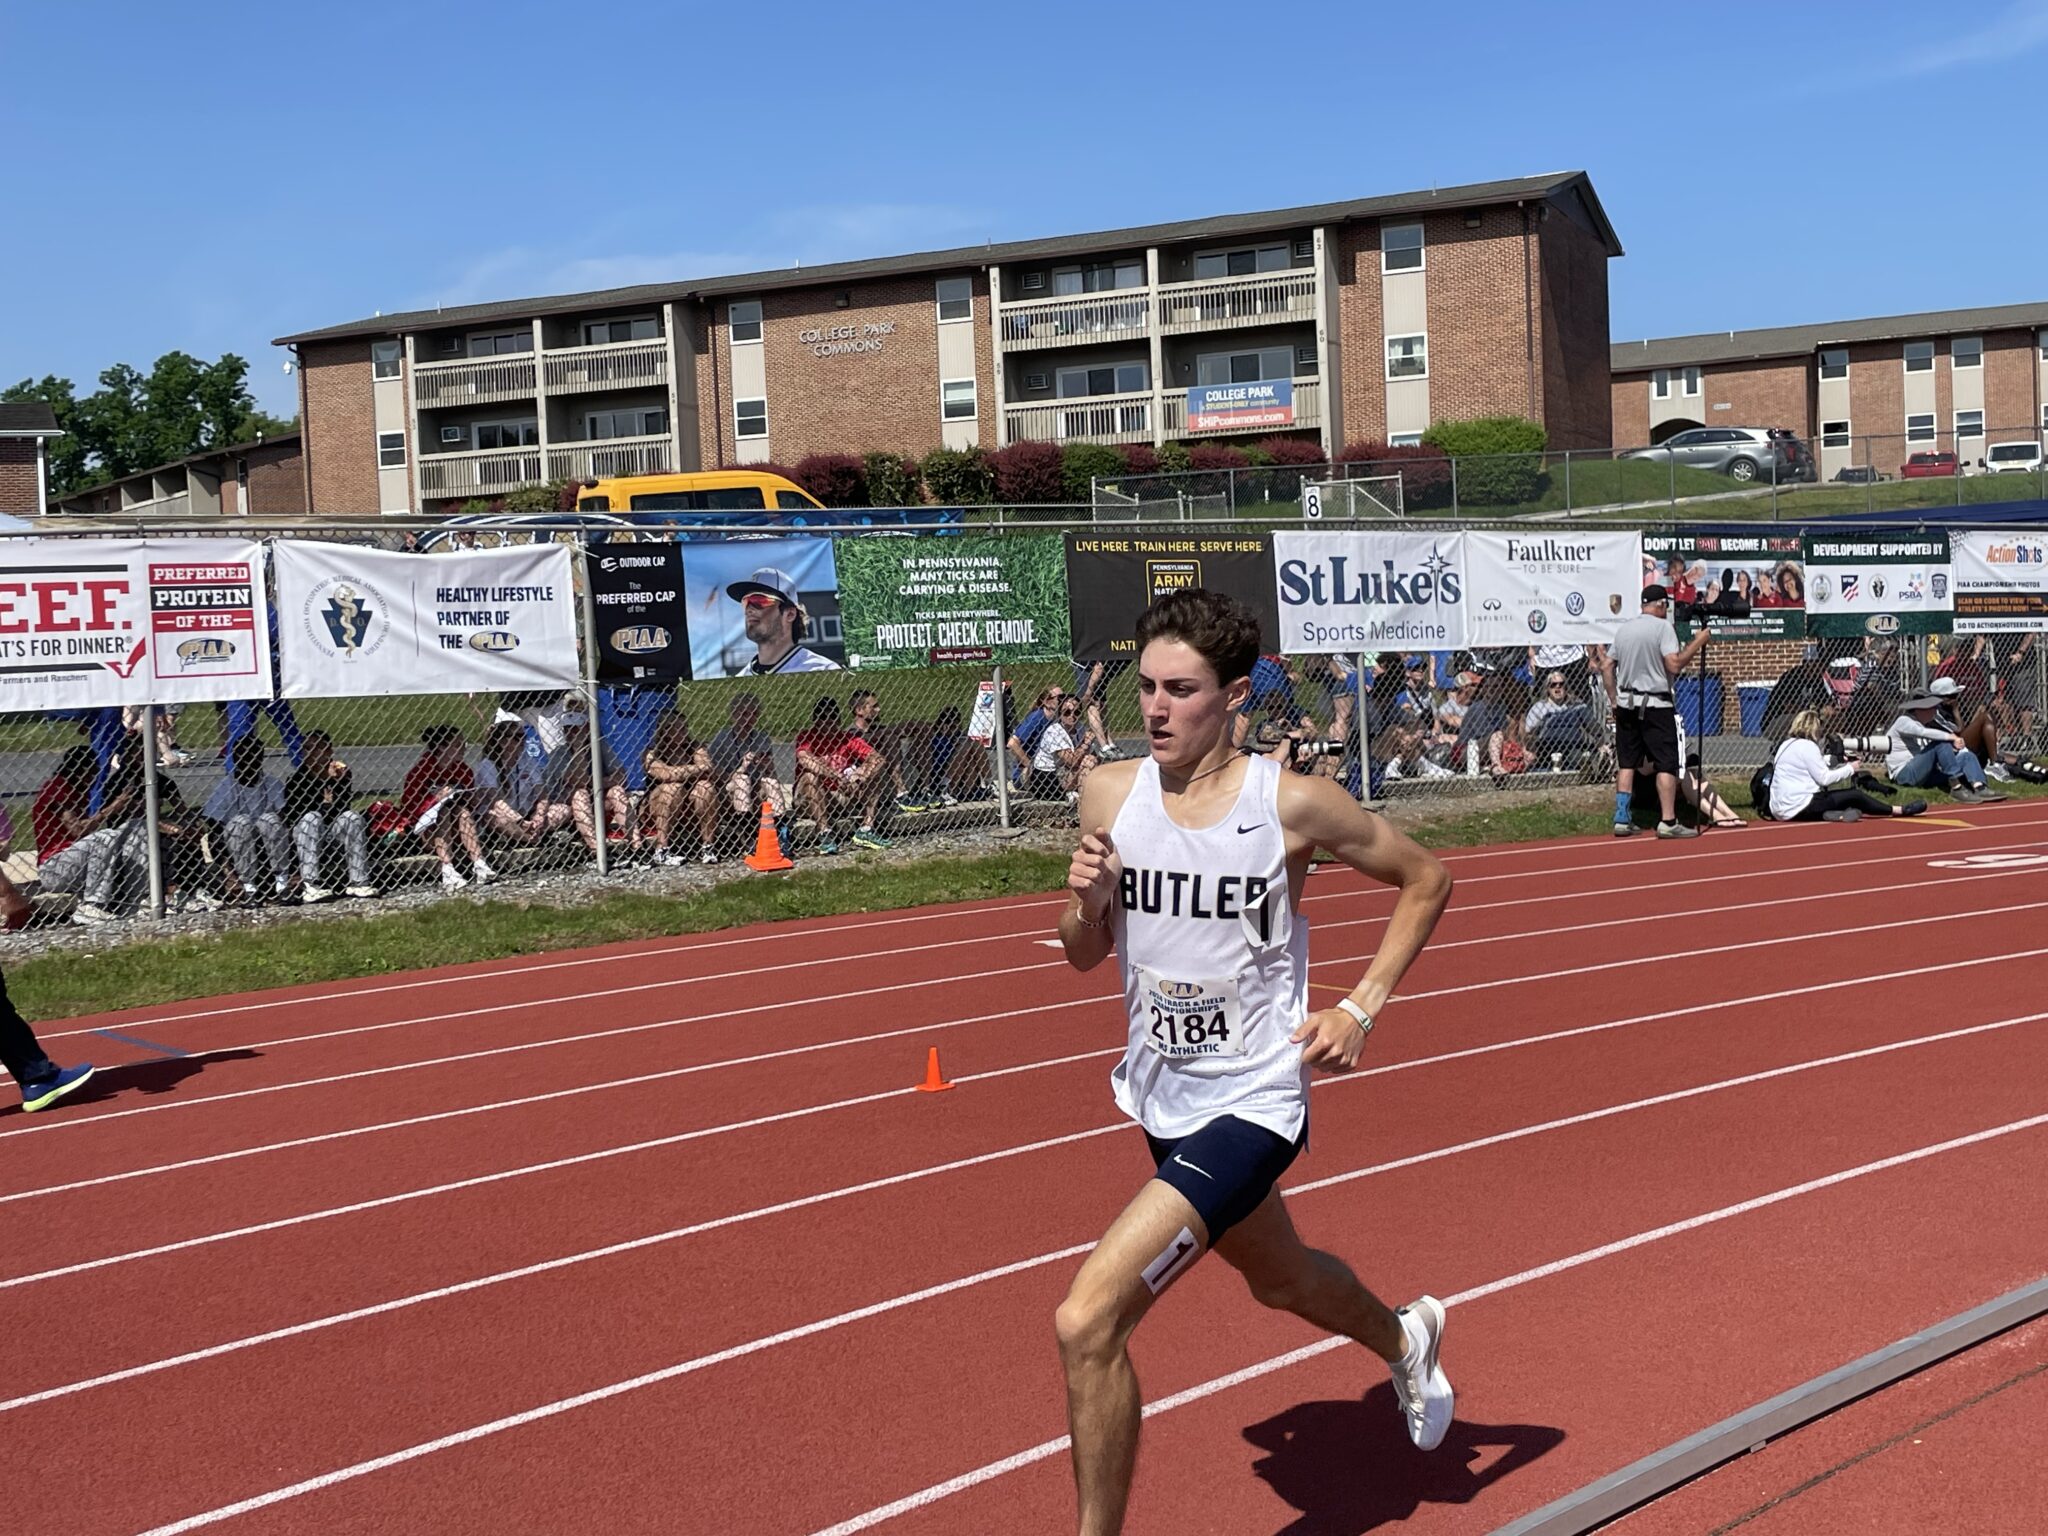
x=1140 y=458
x=836 y=479
x=1425 y=471
x=1500 y=458
x=1029 y=474
x=959 y=477
x=541 y=498
x=1293 y=450
x=1080 y=463
x=1173 y=458
x=893 y=480
x=1216 y=456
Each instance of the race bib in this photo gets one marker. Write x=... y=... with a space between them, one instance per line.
x=1188 y=1020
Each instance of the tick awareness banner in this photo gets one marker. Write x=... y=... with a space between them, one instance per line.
x=1550 y=589
x=927 y=602
x=1112 y=580
x=88 y=623
x=1765 y=570
x=1878 y=584
x=2001 y=582
x=636 y=591
x=1342 y=593
x=354 y=621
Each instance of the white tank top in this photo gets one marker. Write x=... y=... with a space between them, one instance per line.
x=1215 y=964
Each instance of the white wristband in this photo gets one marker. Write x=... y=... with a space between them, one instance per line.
x=1364 y=1019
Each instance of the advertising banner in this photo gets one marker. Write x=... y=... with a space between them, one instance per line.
x=1570 y=588
x=88 y=623
x=1878 y=584
x=1765 y=570
x=1112 y=580
x=927 y=602
x=1349 y=592
x=636 y=593
x=792 y=623
x=1234 y=407
x=355 y=621
x=2001 y=582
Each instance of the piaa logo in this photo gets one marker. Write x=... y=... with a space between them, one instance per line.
x=640 y=639
x=202 y=650
x=494 y=640
x=1180 y=989
x=1882 y=624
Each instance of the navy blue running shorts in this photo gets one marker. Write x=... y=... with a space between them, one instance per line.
x=1225 y=1169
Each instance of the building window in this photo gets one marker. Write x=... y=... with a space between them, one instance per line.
x=2042 y=341
x=640 y=328
x=1102 y=277
x=956 y=399
x=384 y=359
x=1405 y=440
x=956 y=298
x=1966 y=352
x=1834 y=363
x=1692 y=382
x=1834 y=434
x=744 y=321
x=1920 y=427
x=1968 y=424
x=1407 y=357
x=517 y=433
x=1121 y=379
x=633 y=421
x=391 y=450
x=1305 y=358
x=1919 y=357
x=1401 y=248
x=1243 y=262
x=1245 y=367
x=750 y=418
x=1660 y=384
x=498 y=343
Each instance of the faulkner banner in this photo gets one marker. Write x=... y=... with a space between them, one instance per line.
x=636 y=592
x=354 y=621
x=1111 y=580
x=2001 y=582
x=1346 y=593
x=1569 y=588
x=927 y=602
x=1765 y=570
x=1878 y=584
x=86 y=623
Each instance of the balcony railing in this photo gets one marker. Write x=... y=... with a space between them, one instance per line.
x=1271 y=298
x=486 y=473
x=1089 y=419
x=1120 y=315
x=611 y=457
x=1308 y=412
x=477 y=381
x=610 y=365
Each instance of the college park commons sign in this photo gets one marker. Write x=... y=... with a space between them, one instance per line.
x=842 y=340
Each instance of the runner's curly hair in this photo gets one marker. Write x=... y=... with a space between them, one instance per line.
x=1224 y=631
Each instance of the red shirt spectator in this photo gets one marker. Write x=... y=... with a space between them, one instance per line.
x=59 y=800
x=835 y=745
x=427 y=775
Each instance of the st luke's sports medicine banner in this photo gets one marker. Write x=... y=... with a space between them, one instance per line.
x=1111 y=580
x=636 y=591
x=88 y=623
x=1351 y=593
x=1569 y=588
x=354 y=621
x=2001 y=582
x=1878 y=584
x=927 y=602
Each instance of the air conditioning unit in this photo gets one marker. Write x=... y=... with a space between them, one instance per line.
x=1034 y=282
x=1044 y=381
x=1305 y=357
x=454 y=434
x=1304 y=249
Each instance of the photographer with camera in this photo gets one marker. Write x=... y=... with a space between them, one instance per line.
x=1808 y=784
x=1923 y=749
x=1639 y=670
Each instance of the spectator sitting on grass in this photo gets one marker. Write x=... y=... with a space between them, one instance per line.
x=1061 y=764
x=1923 y=753
x=247 y=805
x=509 y=792
x=317 y=809
x=1806 y=787
x=188 y=878
x=743 y=766
x=1558 y=725
x=680 y=773
x=838 y=771
x=434 y=805
x=890 y=744
x=1963 y=687
x=568 y=778
x=78 y=851
x=954 y=769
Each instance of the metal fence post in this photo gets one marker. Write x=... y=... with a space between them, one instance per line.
x=1671 y=475
x=1364 y=734
x=999 y=744
x=152 y=820
x=1454 y=485
x=1568 y=480
x=590 y=649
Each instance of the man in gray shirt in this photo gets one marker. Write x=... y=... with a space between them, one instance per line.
x=1638 y=674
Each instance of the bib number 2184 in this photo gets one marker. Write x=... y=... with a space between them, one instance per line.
x=1192 y=1019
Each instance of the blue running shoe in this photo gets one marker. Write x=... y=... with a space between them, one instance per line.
x=42 y=1095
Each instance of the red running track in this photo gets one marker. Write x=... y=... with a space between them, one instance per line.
x=657 y=1238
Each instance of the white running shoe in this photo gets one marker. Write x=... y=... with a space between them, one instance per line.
x=483 y=872
x=451 y=878
x=364 y=892
x=86 y=915
x=313 y=895
x=1419 y=1382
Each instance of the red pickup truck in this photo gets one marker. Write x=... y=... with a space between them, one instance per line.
x=1922 y=466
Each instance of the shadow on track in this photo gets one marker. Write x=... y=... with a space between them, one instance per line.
x=159 y=1075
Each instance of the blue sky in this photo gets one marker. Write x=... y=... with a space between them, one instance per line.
x=214 y=176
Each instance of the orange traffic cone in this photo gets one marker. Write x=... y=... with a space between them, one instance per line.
x=767 y=857
x=934 y=1079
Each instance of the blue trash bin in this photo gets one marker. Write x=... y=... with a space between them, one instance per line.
x=1751 y=699
x=626 y=718
x=1689 y=700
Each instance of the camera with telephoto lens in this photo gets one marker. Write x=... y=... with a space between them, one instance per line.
x=1309 y=751
x=1839 y=749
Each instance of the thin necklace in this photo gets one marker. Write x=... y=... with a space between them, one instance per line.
x=1207 y=771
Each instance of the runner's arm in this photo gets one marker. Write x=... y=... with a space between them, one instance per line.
x=1093 y=876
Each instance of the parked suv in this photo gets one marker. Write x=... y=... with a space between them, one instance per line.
x=1741 y=453
x=2013 y=458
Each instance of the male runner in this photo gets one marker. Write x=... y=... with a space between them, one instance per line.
x=1193 y=874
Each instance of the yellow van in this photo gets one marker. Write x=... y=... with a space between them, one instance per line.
x=711 y=490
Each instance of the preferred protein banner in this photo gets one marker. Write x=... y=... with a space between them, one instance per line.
x=1342 y=593
x=636 y=591
x=1112 y=580
x=356 y=621
x=1765 y=570
x=1550 y=588
x=2001 y=582
x=924 y=602
x=1878 y=584
x=87 y=623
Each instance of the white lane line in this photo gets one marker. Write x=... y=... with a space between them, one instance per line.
x=926 y=1497
x=1053 y=1447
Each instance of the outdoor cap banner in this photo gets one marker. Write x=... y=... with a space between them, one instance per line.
x=1765 y=570
x=1344 y=593
x=1878 y=584
x=2001 y=581
x=356 y=621
x=1567 y=588
x=636 y=593
x=1112 y=579
x=927 y=602
x=88 y=623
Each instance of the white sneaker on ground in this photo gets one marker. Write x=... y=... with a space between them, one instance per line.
x=1999 y=772
x=364 y=892
x=483 y=872
x=1419 y=1381
x=86 y=915
x=451 y=878
x=203 y=901
x=313 y=895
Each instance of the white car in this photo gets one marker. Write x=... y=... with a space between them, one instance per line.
x=2013 y=458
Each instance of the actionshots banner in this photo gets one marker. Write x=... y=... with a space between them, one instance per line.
x=1878 y=584
x=88 y=623
x=1111 y=580
x=636 y=592
x=927 y=602
x=2001 y=582
x=356 y=621
x=1550 y=588
x=1344 y=593
x=1765 y=570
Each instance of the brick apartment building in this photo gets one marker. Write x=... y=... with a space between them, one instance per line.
x=1869 y=391
x=264 y=478
x=25 y=431
x=1386 y=315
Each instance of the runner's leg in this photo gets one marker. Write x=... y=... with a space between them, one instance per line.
x=1289 y=1276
